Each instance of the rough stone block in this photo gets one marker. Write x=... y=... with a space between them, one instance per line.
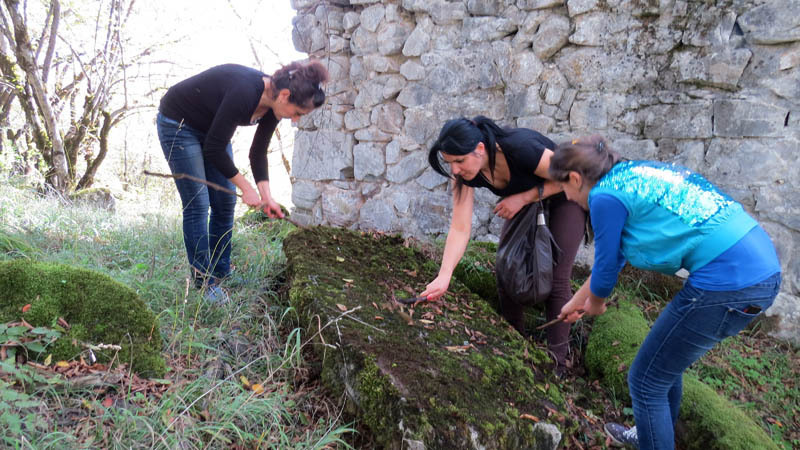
x=430 y=179
x=391 y=38
x=414 y=94
x=356 y=119
x=363 y=41
x=682 y=121
x=443 y=12
x=305 y=194
x=410 y=166
x=351 y=20
x=591 y=29
x=526 y=68
x=377 y=215
x=589 y=115
x=412 y=70
x=576 y=7
x=418 y=42
x=484 y=7
x=372 y=134
x=482 y=29
x=552 y=35
x=774 y=22
x=388 y=117
x=721 y=69
x=322 y=155
x=371 y=17
x=538 y=4
x=742 y=118
x=340 y=207
x=542 y=124
x=368 y=160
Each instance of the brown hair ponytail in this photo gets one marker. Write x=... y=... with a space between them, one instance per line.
x=591 y=157
x=304 y=82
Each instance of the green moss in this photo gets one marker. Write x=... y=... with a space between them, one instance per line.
x=437 y=373
x=613 y=344
x=711 y=422
x=98 y=310
x=476 y=271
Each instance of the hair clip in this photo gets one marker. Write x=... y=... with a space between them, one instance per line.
x=600 y=146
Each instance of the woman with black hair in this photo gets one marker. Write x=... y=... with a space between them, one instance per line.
x=513 y=163
x=196 y=121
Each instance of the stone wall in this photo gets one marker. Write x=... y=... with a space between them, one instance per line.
x=713 y=85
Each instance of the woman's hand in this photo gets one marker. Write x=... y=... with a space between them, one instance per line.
x=573 y=309
x=436 y=288
x=251 y=198
x=581 y=305
x=269 y=206
x=510 y=206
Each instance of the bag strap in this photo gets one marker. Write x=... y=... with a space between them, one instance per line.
x=540 y=219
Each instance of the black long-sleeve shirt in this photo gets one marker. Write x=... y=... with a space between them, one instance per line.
x=217 y=101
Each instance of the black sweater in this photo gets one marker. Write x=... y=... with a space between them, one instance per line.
x=217 y=101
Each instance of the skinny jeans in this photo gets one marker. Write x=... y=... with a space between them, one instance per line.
x=690 y=325
x=207 y=237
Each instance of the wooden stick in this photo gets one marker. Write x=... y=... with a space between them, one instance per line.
x=179 y=176
x=613 y=302
x=555 y=321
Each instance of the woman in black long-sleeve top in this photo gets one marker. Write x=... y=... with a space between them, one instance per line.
x=196 y=121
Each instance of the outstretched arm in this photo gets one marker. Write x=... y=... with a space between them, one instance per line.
x=456 y=243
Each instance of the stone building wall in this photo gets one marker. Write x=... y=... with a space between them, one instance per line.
x=713 y=85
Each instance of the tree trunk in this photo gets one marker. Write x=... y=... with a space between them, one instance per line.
x=52 y=142
x=88 y=178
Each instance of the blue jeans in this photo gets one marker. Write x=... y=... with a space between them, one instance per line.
x=208 y=243
x=693 y=322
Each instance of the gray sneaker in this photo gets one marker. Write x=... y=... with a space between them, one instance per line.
x=216 y=295
x=622 y=436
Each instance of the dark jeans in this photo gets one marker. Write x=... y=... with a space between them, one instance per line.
x=567 y=223
x=690 y=325
x=208 y=242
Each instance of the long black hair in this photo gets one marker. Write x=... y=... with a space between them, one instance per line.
x=460 y=137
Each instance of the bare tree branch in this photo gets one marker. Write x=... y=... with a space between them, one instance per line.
x=55 y=9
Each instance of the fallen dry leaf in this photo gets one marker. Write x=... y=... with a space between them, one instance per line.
x=457 y=348
x=26 y=308
x=340 y=259
x=378 y=317
x=529 y=417
x=62 y=364
x=258 y=389
x=341 y=307
x=425 y=321
x=108 y=401
x=347 y=280
x=245 y=381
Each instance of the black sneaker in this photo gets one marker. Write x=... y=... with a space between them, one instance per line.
x=622 y=436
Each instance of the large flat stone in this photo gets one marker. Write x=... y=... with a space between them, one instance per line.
x=446 y=375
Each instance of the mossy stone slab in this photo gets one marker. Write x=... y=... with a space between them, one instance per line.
x=442 y=375
x=97 y=309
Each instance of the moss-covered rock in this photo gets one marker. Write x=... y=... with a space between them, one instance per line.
x=98 y=310
x=98 y=197
x=476 y=271
x=709 y=420
x=449 y=375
